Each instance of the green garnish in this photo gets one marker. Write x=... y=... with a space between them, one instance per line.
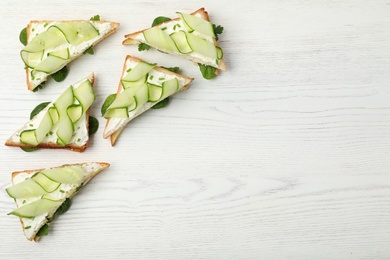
x=143 y=47
x=173 y=69
x=217 y=30
x=161 y=104
x=38 y=109
x=208 y=72
x=46 y=24
x=95 y=18
x=93 y=124
x=23 y=36
x=151 y=77
x=44 y=231
x=174 y=27
x=28 y=149
x=24 y=201
x=160 y=20
x=40 y=86
x=61 y=74
x=27 y=227
x=32 y=29
x=89 y=51
x=78 y=139
x=62 y=191
x=107 y=103
x=50 y=133
x=164 y=28
x=128 y=70
x=31 y=125
x=161 y=78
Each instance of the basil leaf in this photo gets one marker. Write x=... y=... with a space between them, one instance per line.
x=89 y=51
x=40 y=86
x=173 y=69
x=107 y=103
x=61 y=74
x=28 y=149
x=44 y=231
x=95 y=18
x=23 y=36
x=159 y=20
x=161 y=104
x=93 y=125
x=217 y=30
x=208 y=72
x=143 y=47
x=38 y=109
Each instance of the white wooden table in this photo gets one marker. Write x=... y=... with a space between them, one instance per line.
x=284 y=156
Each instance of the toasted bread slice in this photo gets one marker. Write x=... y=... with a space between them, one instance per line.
x=62 y=44
x=184 y=48
x=67 y=181
x=53 y=134
x=157 y=78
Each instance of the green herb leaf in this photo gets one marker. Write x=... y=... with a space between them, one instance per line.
x=40 y=86
x=64 y=207
x=38 y=109
x=95 y=18
x=173 y=69
x=208 y=72
x=217 y=30
x=143 y=47
x=93 y=125
x=161 y=104
x=23 y=36
x=89 y=51
x=107 y=103
x=61 y=74
x=44 y=231
x=28 y=149
x=28 y=227
x=160 y=19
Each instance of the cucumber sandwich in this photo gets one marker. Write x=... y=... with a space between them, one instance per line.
x=63 y=123
x=191 y=36
x=142 y=86
x=41 y=195
x=51 y=45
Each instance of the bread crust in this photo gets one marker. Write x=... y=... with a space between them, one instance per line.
x=114 y=26
x=130 y=39
x=104 y=165
x=72 y=147
x=114 y=136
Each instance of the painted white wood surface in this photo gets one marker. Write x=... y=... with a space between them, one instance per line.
x=285 y=156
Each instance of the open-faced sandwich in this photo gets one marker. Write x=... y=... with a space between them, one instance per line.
x=43 y=194
x=62 y=124
x=142 y=86
x=192 y=36
x=51 y=45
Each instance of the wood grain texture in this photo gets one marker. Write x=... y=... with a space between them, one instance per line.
x=284 y=156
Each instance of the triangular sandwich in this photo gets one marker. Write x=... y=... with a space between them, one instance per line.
x=190 y=35
x=51 y=45
x=62 y=124
x=142 y=86
x=43 y=194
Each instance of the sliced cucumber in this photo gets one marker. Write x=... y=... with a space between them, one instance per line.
x=67 y=175
x=51 y=64
x=85 y=95
x=77 y=32
x=181 y=42
x=44 y=127
x=169 y=87
x=29 y=137
x=157 y=37
x=32 y=59
x=141 y=97
x=132 y=84
x=139 y=71
x=55 y=117
x=200 y=25
x=47 y=184
x=117 y=113
x=155 y=92
x=36 y=208
x=75 y=112
x=49 y=39
x=25 y=189
x=123 y=99
x=219 y=52
x=65 y=131
x=63 y=54
x=202 y=46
